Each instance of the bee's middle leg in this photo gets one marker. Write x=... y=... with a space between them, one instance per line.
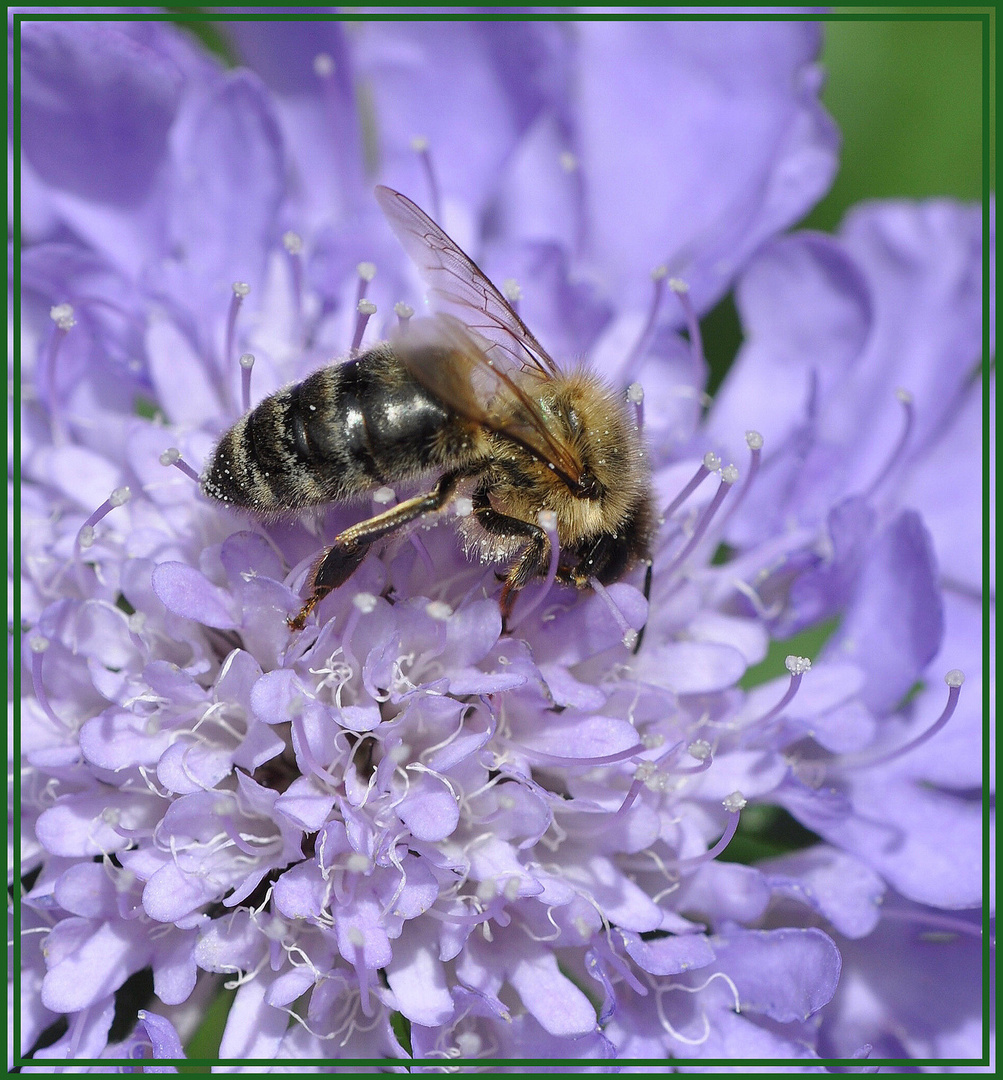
x=350 y=547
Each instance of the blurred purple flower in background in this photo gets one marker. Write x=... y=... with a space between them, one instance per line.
x=404 y=831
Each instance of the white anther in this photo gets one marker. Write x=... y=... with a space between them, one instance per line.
x=797 y=665
x=463 y=506
x=677 y=285
x=652 y=740
x=247 y=360
x=735 y=801
x=511 y=889
x=402 y=310
x=629 y=638
x=120 y=496
x=568 y=161
x=241 y=289
x=635 y=393
x=62 y=316
x=357 y=863
x=355 y=937
x=711 y=461
x=754 y=440
x=469 y=1044
x=419 y=144
x=39 y=644
x=512 y=289
x=170 y=455
x=955 y=677
x=400 y=752
x=729 y=474
x=292 y=242
x=367 y=270
x=659 y=272
x=323 y=65
x=645 y=771
x=111 y=815
x=700 y=749
x=365 y=602
x=366 y=307
x=438 y=610
x=86 y=536
x=903 y=395
x=547 y=520
x=137 y=622
x=384 y=495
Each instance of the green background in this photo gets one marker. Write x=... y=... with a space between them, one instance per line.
x=907 y=96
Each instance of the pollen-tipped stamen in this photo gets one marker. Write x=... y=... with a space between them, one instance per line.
x=754 y=441
x=366 y=272
x=547 y=520
x=734 y=804
x=246 y=364
x=658 y=276
x=797 y=666
x=172 y=456
x=711 y=463
x=682 y=290
x=366 y=310
x=404 y=313
x=512 y=291
x=419 y=144
x=635 y=395
x=954 y=679
x=38 y=645
x=909 y=415
x=293 y=243
x=729 y=474
x=85 y=535
x=629 y=633
x=64 y=319
x=240 y=290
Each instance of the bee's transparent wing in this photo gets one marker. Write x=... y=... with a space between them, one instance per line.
x=455 y=279
x=454 y=365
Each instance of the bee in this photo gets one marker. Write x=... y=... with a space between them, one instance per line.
x=477 y=401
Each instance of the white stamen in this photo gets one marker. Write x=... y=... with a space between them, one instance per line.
x=402 y=310
x=635 y=393
x=39 y=644
x=419 y=144
x=678 y=286
x=120 y=496
x=729 y=474
x=903 y=395
x=247 y=360
x=735 y=801
x=463 y=506
x=323 y=65
x=86 y=536
x=367 y=270
x=241 y=289
x=365 y=602
x=754 y=440
x=547 y=520
x=568 y=161
x=355 y=937
x=170 y=456
x=711 y=461
x=797 y=665
x=955 y=677
x=700 y=749
x=292 y=242
x=660 y=272
x=512 y=290
x=62 y=316
x=357 y=863
x=438 y=610
x=384 y=495
x=366 y=307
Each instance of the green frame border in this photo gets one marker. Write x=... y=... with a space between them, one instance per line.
x=984 y=15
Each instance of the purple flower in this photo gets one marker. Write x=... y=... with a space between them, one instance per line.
x=404 y=831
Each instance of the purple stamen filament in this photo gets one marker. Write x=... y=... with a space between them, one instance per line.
x=38 y=647
x=709 y=463
x=702 y=523
x=240 y=290
x=712 y=853
x=419 y=144
x=906 y=400
x=629 y=633
x=246 y=364
x=797 y=666
x=366 y=271
x=585 y=762
x=403 y=312
x=293 y=244
x=954 y=679
x=658 y=276
x=755 y=444
x=682 y=291
x=85 y=535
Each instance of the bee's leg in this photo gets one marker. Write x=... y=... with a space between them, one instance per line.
x=533 y=560
x=350 y=547
x=647 y=596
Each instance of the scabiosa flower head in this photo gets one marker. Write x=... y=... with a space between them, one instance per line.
x=408 y=830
